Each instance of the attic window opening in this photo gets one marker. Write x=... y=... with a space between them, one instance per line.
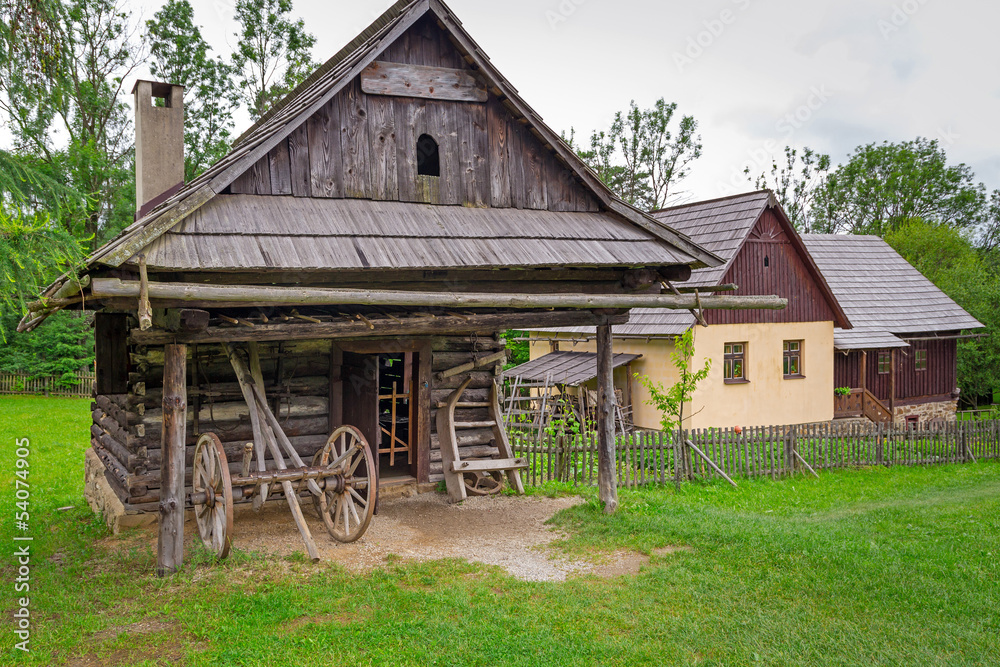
x=428 y=160
x=767 y=261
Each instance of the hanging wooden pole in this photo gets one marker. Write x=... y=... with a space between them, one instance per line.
x=170 y=545
x=606 y=479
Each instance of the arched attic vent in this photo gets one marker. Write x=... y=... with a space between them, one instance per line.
x=428 y=160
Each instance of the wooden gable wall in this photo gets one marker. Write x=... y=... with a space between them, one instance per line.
x=768 y=263
x=940 y=378
x=364 y=146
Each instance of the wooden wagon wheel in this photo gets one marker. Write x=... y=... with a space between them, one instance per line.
x=483 y=483
x=211 y=478
x=348 y=500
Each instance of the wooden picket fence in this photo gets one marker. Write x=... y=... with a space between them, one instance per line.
x=768 y=451
x=48 y=385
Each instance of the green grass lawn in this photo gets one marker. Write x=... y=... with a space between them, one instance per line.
x=867 y=567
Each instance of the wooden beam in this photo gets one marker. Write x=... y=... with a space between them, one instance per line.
x=322 y=296
x=433 y=83
x=170 y=544
x=424 y=326
x=606 y=480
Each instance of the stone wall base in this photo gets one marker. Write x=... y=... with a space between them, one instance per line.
x=936 y=411
x=103 y=500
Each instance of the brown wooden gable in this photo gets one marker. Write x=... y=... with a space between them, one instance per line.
x=773 y=260
x=364 y=146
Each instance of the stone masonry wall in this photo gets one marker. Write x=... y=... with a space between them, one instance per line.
x=942 y=411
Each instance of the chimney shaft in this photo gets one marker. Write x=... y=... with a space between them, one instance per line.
x=159 y=143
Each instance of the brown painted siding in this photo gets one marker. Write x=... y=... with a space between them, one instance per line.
x=940 y=378
x=364 y=146
x=785 y=274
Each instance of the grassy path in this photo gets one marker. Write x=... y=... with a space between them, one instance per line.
x=868 y=567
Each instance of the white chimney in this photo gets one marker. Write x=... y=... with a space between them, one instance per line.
x=159 y=143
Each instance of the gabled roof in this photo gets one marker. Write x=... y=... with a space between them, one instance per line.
x=570 y=368
x=321 y=87
x=721 y=226
x=880 y=290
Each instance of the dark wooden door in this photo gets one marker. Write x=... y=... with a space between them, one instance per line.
x=360 y=387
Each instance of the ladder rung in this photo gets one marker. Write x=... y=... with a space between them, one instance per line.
x=486 y=424
x=466 y=404
x=489 y=464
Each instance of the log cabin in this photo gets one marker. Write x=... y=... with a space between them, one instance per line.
x=859 y=318
x=353 y=260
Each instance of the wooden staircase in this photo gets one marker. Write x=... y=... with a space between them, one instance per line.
x=480 y=477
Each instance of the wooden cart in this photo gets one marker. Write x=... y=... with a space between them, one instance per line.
x=342 y=478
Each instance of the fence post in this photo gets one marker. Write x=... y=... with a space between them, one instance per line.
x=790 y=443
x=677 y=459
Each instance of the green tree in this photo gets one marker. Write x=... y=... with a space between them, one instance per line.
x=641 y=157
x=670 y=401
x=181 y=55
x=946 y=256
x=272 y=52
x=881 y=186
x=795 y=183
x=63 y=347
x=66 y=108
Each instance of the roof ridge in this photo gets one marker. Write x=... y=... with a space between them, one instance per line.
x=702 y=202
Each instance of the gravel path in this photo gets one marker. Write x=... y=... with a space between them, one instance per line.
x=506 y=531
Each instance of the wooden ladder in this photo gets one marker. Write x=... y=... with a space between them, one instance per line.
x=454 y=467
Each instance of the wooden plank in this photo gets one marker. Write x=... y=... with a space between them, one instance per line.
x=170 y=542
x=354 y=141
x=298 y=158
x=280 y=169
x=256 y=180
x=326 y=166
x=434 y=83
x=499 y=154
x=382 y=130
x=535 y=181
x=408 y=114
x=474 y=153
x=111 y=350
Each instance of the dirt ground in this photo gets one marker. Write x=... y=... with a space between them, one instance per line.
x=506 y=531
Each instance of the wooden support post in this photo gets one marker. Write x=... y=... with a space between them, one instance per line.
x=864 y=372
x=892 y=386
x=606 y=480
x=170 y=546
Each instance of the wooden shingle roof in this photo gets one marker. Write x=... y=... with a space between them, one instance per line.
x=260 y=232
x=329 y=80
x=880 y=290
x=570 y=368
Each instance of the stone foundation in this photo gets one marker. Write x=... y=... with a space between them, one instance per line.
x=935 y=411
x=103 y=500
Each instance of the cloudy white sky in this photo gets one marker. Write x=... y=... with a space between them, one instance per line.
x=756 y=74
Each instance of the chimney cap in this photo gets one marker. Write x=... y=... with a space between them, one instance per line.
x=159 y=88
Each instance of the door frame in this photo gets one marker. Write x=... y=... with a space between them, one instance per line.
x=422 y=347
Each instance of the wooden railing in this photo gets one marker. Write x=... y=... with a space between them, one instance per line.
x=47 y=385
x=763 y=451
x=861 y=403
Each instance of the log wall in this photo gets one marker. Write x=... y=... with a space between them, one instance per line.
x=127 y=427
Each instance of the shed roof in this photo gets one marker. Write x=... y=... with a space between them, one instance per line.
x=570 y=368
x=327 y=81
x=261 y=232
x=865 y=339
x=880 y=290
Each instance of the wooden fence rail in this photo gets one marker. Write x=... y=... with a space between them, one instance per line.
x=49 y=385
x=765 y=451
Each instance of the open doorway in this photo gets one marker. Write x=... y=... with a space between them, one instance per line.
x=378 y=394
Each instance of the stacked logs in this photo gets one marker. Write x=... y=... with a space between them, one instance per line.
x=127 y=428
